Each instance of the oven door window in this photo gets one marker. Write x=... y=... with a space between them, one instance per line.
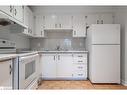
x=29 y=69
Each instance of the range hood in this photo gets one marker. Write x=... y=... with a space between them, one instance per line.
x=6 y=20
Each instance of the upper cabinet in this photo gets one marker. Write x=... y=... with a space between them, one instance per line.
x=39 y=26
x=13 y=11
x=79 y=26
x=36 y=26
x=106 y=18
x=92 y=19
x=28 y=21
x=26 y=15
x=18 y=13
x=7 y=9
x=58 y=22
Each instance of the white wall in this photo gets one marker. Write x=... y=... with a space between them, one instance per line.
x=21 y=41
x=121 y=18
x=62 y=38
x=70 y=9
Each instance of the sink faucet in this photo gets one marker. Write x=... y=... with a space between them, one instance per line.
x=58 y=47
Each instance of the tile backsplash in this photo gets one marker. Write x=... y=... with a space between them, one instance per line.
x=53 y=39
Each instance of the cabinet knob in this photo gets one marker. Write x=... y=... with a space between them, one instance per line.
x=80 y=74
x=55 y=25
x=11 y=8
x=15 y=11
x=97 y=21
x=41 y=32
x=80 y=61
x=101 y=21
x=80 y=56
x=58 y=57
x=54 y=57
x=74 y=32
x=80 y=67
x=60 y=25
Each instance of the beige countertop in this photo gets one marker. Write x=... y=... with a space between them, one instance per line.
x=7 y=56
x=63 y=51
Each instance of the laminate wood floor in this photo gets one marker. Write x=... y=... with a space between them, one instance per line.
x=68 y=85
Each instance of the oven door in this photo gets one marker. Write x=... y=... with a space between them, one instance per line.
x=27 y=70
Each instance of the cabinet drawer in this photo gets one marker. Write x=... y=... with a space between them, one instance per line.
x=79 y=60
x=80 y=55
x=80 y=68
x=80 y=74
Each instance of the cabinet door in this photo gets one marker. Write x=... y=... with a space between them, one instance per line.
x=106 y=19
x=48 y=65
x=26 y=19
x=79 y=26
x=51 y=21
x=30 y=22
x=6 y=74
x=39 y=26
x=18 y=13
x=64 y=65
x=64 y=22
x=7 y=9
x=26 y=15
x=92 y=19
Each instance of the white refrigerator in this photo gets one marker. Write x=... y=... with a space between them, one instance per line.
x=103 y=41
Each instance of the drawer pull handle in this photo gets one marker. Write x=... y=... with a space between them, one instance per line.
x=80 y=61
x=80 y=74
x=80 y=67
x=80 y=56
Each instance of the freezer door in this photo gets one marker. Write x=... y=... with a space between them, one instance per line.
x=105 y=64
x=105 y=34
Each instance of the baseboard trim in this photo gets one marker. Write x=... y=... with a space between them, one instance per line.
x=124 y=83
x=49 y=78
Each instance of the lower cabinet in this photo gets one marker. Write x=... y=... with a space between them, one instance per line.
x=64 y=66
x=48 y=65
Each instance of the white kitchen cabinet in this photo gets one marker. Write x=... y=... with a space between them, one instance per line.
x=6 y=73
x=58 y=22
x=50 y=21
x=92 y=19
x=26 y=15
x=64 y=22
x=79 y=26
x=64 y=66
x=106 y=19
x=80 y=66
x=48 y=65
x=28 y=21
x=39 y=26
x=14 y=11
x=18 y=13
x=31 y=22
x=7 y=9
